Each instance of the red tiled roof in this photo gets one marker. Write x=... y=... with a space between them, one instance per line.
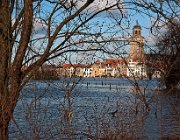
x=79 y=65
x=97 y=61
x=67 y=65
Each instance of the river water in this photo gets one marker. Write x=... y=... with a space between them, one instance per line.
x=96 y=108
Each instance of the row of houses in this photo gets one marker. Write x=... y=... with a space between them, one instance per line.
x=107 y=68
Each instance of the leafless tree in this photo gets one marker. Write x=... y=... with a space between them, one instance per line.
x=169 y=47
x=33 y=32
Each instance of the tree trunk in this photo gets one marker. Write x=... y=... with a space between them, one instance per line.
x=4 y=131
x=173 y=77
x=10 y=71
x=5 y=116
x=4 y=76
x=7 y=105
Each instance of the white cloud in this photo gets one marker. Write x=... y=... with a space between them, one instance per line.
x=100 y=5
x=39 y=26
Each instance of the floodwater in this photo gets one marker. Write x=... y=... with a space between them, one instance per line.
x=97 y=107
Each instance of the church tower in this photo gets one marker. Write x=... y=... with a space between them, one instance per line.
x=137 y=44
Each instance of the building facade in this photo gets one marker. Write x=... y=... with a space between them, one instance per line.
x=136 y=65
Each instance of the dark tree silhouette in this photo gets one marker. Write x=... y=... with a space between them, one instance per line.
x=58 y=26
x=169 y=47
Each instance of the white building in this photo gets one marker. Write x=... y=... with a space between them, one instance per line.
x=136 y=69
x=87 y=72
x=156 y=74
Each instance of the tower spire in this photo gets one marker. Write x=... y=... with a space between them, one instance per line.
x=137 y=23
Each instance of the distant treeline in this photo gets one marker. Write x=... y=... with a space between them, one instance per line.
x=45 y=75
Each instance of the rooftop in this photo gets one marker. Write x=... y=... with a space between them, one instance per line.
x=137 y=25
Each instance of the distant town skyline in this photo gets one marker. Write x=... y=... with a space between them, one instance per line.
x=135 y=64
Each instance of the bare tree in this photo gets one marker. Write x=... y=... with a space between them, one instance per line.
x=169 y=47
x=33 y=32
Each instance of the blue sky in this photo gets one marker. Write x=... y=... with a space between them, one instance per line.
x=106 y=24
